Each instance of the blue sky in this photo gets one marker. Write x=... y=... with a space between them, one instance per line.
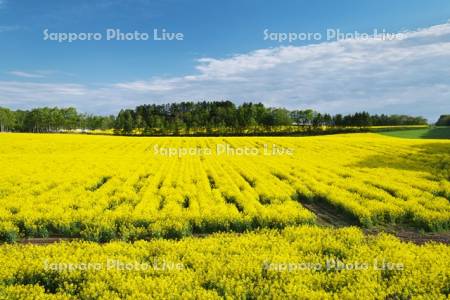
x=224 y=55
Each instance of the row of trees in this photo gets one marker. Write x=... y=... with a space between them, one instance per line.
x=189 y=116
x=444 y=120
x=194 y=116
x=51 y=120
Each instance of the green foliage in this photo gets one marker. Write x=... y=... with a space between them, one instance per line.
x=7 y=119
x=423 y=133
x=444 y=120
x=225 y=118
x=51 y=120
x=189 y=118
x=8 y=232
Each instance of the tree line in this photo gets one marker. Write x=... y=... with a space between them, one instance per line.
x=226 y=117
x=51 y=120
x=191 y=118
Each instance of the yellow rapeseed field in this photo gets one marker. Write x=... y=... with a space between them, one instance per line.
x=102 y=188
x=154 y=200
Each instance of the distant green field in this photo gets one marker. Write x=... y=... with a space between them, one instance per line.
x=424 y=133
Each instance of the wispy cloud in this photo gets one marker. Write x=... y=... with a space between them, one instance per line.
x=38 y=73
x=40 y=89
x=399 y=76
x=40 y=94
x=26 y=74
x=155 y=85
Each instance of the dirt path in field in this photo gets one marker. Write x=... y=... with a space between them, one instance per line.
x=413 y=235
x=329 y=216
x=404 y=235
x=46 y=241
x=422 y=238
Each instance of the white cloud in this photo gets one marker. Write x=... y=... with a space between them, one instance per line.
x=156 y=85
x=409 y=75
x=399 y=76
x=26 y=74
x=38 y=73
x=40 y=94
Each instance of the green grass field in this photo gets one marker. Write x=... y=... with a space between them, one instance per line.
x=424 y=133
